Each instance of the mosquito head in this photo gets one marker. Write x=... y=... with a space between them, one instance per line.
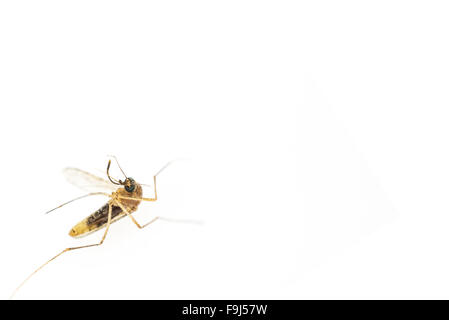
x=130 y=185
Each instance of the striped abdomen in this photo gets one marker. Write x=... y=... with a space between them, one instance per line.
x=97 y=220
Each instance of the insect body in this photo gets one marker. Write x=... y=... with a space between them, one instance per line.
x=124 y=200
x=99 y=219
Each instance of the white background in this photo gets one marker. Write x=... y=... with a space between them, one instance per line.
x=312 y=138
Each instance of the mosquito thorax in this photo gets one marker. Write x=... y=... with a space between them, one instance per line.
x=130 y=185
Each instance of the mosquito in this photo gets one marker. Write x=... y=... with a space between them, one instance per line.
x=125 y=198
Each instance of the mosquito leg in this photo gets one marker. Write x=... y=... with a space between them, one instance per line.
x=132 y=218
x=155 y=191
x=69 y=249
x=84 y=196
x=144 y=199
x=132 y=198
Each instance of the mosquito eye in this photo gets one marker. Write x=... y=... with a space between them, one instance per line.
x=130 y=188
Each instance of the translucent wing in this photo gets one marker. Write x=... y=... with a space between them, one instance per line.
x=87 y=181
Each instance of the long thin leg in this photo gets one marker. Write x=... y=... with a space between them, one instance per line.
x=132 y=198
x=155 y=191
x=69 y=249
x=132 y=218
x=84 y=196
x=199 y=222
x=144 y=199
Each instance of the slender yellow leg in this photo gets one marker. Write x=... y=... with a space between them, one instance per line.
x=132 y=198
x=68 y=249
x=155 y=191
x=84 y=196
x=132 y=218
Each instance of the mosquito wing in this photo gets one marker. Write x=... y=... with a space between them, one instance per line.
x=87 y=181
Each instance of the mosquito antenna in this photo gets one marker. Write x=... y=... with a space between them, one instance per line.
x=119 y=165
x=109 y=177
